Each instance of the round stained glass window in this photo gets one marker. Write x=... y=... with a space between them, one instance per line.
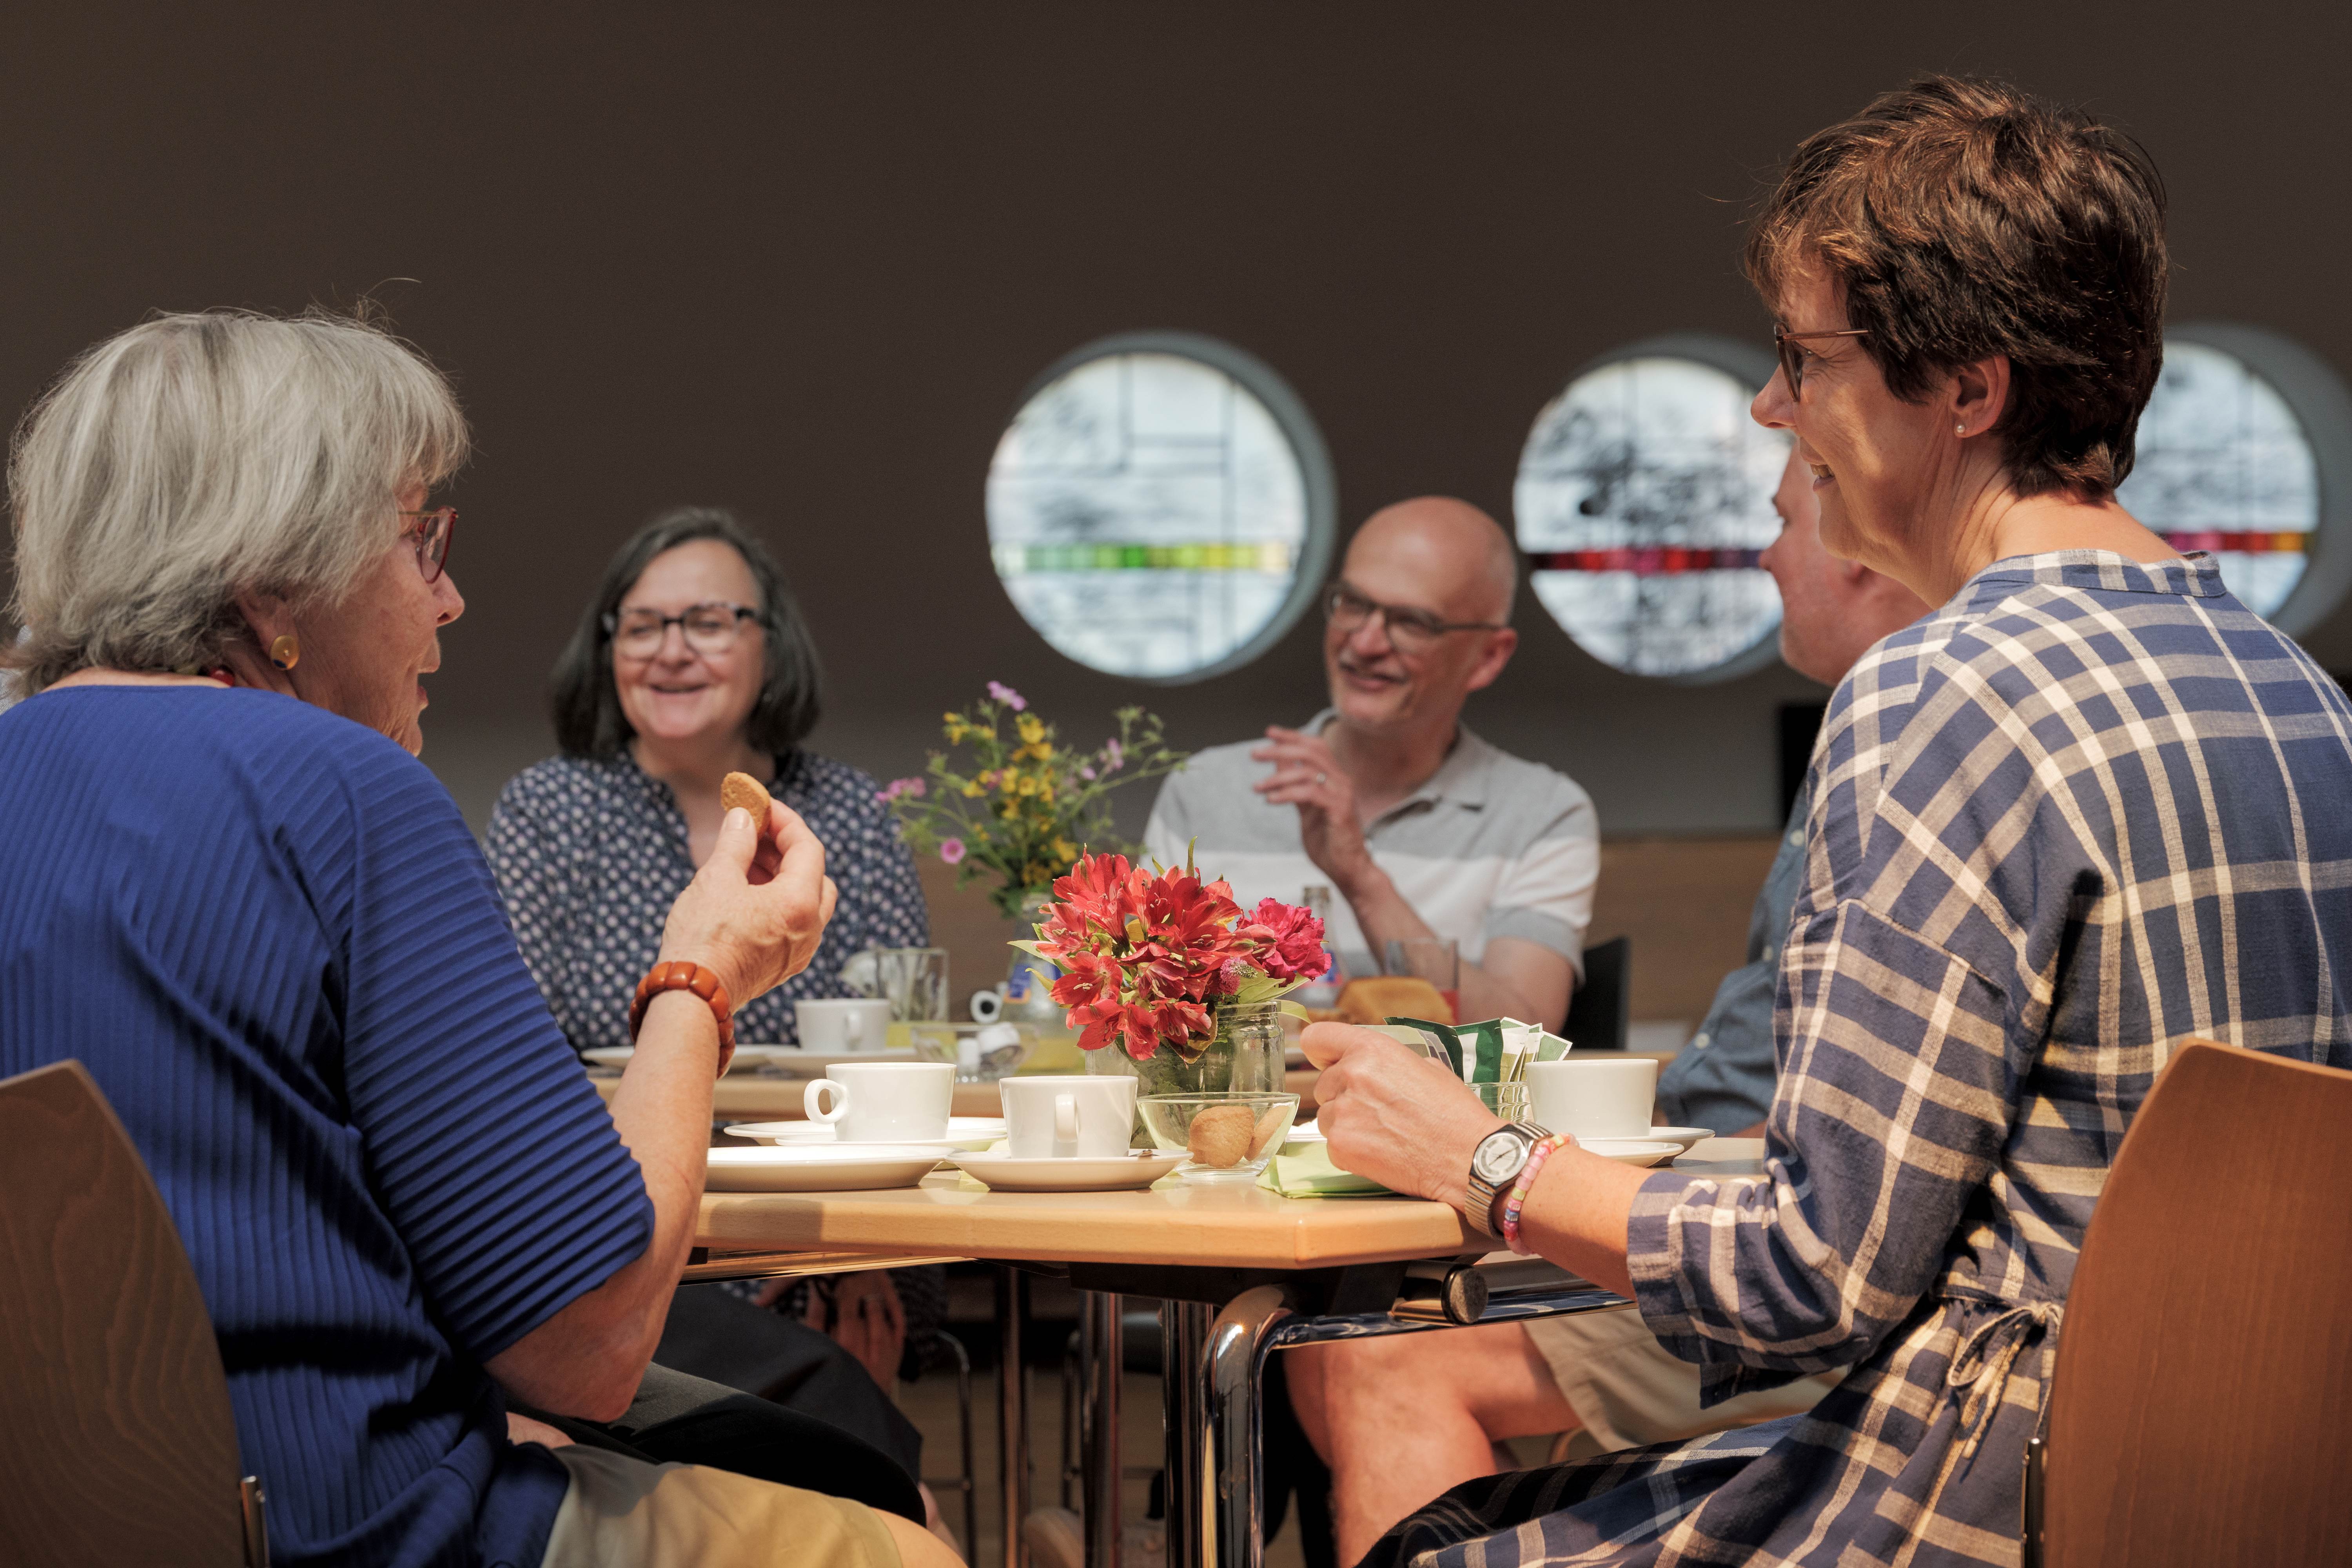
x=1161 y=508
x=2234 y=454
x=1644 y=497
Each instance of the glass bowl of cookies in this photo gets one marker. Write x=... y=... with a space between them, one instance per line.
x=1226 y=1137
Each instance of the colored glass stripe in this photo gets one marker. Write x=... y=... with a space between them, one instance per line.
x=1649 y=560
x=1671 y=560
x=1013 y=560
x=2243 y=543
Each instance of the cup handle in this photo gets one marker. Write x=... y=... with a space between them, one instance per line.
x=815 y=1092
x=1065 y=1119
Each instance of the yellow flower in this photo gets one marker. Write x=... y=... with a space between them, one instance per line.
x=972 y=791
x=1031 y=730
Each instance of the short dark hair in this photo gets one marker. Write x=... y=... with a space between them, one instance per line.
x=587 y=709
x=1965 y=218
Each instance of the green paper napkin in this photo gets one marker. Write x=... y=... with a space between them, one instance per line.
x=1305 y=1171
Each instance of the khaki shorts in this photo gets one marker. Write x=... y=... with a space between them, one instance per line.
x=1630 y=1390
x=625 y=1513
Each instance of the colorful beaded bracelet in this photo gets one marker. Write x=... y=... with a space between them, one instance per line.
x=1518 y=1197
x=680 y=975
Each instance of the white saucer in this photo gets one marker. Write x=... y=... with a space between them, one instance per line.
x=797 y=1063
x=1630 y=1151
x=747 y=1059
x=1120 y=1173
x=766 y=1168
x=963 y=1132
x=1688 y=1137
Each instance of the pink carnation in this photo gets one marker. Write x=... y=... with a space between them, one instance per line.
x=1295 y=949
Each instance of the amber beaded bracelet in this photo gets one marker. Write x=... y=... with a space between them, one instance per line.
x=680 y=975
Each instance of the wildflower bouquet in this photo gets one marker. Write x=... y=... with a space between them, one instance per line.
x=1019 y=805
x=1149 y=960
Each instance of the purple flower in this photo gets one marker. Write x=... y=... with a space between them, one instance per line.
x=1088 y=774
x=898 y=787
x=952 y=850
x=1114 y=755
x=1006 y=695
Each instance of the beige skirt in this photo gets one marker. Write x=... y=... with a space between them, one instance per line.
x=625 y=1513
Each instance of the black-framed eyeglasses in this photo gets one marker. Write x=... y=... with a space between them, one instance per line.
x=435 y=531
x=1792 y=358
x=711 y=628
x=1347 y=609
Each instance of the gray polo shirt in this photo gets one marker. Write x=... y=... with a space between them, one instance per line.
x=1724 y=1078
x=1491 y=845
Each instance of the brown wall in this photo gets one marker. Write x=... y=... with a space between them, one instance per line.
x=804 y=260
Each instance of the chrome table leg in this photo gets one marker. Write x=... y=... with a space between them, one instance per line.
x=1012 y=1413
x=1183 y=1341
x=1104 y=1357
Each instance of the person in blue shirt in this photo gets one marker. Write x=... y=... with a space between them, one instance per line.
x=235 y=895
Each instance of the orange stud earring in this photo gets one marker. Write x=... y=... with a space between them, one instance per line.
x=286 y=653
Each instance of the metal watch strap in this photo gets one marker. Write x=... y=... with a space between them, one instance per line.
x=1479 y=1193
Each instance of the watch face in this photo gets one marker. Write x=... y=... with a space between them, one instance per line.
x=1499 y=1155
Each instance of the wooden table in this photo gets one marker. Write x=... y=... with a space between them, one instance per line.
x=1242 y=1272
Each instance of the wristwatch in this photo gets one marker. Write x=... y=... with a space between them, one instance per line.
x=1494 y=1165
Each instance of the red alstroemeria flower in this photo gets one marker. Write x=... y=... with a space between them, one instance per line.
x=1294 y=940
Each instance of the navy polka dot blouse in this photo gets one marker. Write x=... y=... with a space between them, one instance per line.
x=589 y=853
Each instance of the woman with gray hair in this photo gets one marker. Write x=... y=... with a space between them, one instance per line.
x=241 y=904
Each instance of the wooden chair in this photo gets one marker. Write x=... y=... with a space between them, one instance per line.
x=2202 y=1400
x=1601 y=1010
x=117 y=1444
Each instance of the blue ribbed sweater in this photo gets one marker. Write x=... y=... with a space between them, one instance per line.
x=270 y=938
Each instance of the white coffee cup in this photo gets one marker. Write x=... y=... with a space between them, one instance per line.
x=883 y=1102
x=1594 y=1096
x=1050 y=1117
x=842 y=1026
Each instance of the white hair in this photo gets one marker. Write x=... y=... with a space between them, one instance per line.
x=198 y=456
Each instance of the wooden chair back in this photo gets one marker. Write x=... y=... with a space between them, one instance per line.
x=2202 y=1402
x=1601 y=1010
x=116 y=1443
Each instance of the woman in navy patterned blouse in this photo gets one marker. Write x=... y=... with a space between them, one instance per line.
x=693 y=662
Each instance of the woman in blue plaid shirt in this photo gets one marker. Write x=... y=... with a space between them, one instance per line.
x=2090 y=806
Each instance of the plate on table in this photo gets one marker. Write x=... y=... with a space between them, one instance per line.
x=864 y=1167
x=794 y=1062
x=1688 y=1137
x=747 y=1058
x=964 y=1133
x=1112 y=1174
x=1631 y=1151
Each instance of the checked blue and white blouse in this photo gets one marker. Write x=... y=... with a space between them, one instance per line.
x=589 y=853
x=2086 y=809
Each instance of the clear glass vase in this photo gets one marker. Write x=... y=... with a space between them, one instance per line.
x=1246 y=1057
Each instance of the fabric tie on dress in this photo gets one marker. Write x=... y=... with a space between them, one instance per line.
x=1981 y=1364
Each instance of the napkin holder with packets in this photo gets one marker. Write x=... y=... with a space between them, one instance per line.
x=1493 y=1050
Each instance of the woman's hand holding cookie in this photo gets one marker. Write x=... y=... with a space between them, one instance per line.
x=757 y=910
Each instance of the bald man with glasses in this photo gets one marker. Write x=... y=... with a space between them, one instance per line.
x=1419 y=828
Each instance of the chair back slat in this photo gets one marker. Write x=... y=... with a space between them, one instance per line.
x=2202 y=1401
x=117 y=1441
